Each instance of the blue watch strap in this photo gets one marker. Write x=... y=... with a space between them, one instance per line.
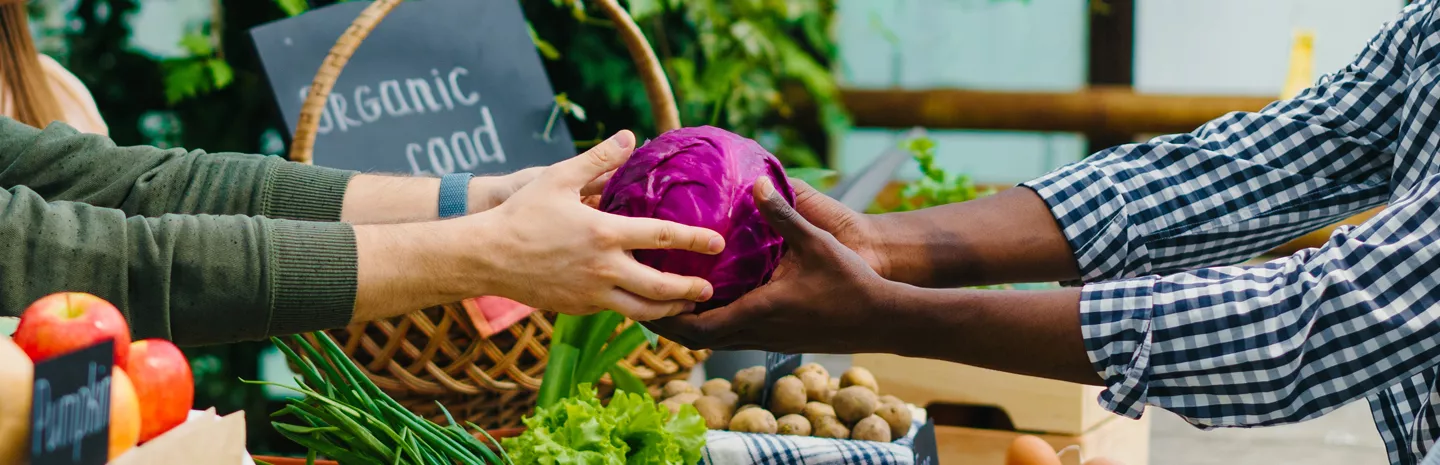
x=454 y=194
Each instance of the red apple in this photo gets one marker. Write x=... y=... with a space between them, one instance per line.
x=68 y=321
x=163 y=383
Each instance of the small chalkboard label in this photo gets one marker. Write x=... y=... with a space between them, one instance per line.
x=70 y=408
x=927 y=451
x=777 y=366
x=440 y=86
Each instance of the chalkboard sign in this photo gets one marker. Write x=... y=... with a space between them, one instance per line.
x=440 y=86
x=927 y=451
x=70 y=408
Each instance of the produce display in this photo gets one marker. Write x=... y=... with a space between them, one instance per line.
x=630 y=429
x=347 y=418
x=703 y=176
x=808 y=402
x=151 y=387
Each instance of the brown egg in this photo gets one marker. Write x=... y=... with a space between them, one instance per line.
x=1103 y=461
x=1031 y=450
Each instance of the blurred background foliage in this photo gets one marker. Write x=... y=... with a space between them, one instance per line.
x=760 y=68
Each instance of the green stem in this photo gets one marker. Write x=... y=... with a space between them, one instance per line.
x=597 y=329
x=621 y=346
x=625 y=380
x=560 y=369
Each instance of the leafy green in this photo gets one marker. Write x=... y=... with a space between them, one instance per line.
x=936 y=186
x=737 y=65
x=292 y=7
x=631 y=430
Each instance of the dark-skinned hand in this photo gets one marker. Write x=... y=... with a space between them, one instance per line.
x=853 y=229
x=823 y=297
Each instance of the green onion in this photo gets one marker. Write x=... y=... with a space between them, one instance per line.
x=348 y=418
x=560 y=369
x=623 y=345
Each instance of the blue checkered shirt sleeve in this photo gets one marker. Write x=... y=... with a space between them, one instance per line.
x=1298 y=336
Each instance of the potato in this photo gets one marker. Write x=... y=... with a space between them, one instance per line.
x=872 y=428
x=677 y=387
x=815 y=367
x=829 y=427
x=854 y=403
x=793 y=425
x=857 y=376
x=746 y=407
x=897 y=415
x=788 y=396
x=715 y=386
x=749 y=383
x=814 y=411
x=829 y=396
x=816 y=385
x=715 y=412
x=684 y=399
x=889 y=399
x=730 y=398
x=755 y=420
x=834 y=384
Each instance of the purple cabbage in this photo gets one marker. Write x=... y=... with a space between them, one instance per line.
x=703 y=177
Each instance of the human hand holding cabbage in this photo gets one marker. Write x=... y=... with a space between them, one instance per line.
x=821 y=298
x=543 y=247
x=820 y=287
x=577 y=260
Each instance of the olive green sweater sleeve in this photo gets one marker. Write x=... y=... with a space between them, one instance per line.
x=60 y=163
x=78 y=213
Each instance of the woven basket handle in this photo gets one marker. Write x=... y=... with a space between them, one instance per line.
x=657 y=87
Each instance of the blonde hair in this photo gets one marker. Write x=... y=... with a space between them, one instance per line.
x=24 y=79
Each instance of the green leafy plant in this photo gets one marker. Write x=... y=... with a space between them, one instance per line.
x=936 y=186
x=631 y=429
x=741 y=65
x=205 y=70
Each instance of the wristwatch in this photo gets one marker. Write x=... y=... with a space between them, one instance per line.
x=454 y=194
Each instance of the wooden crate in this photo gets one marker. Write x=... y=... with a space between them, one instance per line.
x=1033 y=404
x=1121 y=439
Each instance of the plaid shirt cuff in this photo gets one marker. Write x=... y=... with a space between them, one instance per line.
x=1115 y=320
x=1091 y=213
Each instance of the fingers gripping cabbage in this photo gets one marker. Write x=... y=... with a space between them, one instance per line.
x=703 y=177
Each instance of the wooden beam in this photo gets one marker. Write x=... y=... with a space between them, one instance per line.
x=1096 y=110
x=1110 y=60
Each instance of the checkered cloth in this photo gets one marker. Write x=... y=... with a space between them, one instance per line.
x=1155 y=225
x=728 y=448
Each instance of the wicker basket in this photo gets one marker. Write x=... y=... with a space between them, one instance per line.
x=436 y=354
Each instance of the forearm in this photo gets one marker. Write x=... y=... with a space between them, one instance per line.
x=63 y=165
x=1005 y=238
x=1034 y=333
x=193 y=279
x=408 y=267
x=376 y=199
